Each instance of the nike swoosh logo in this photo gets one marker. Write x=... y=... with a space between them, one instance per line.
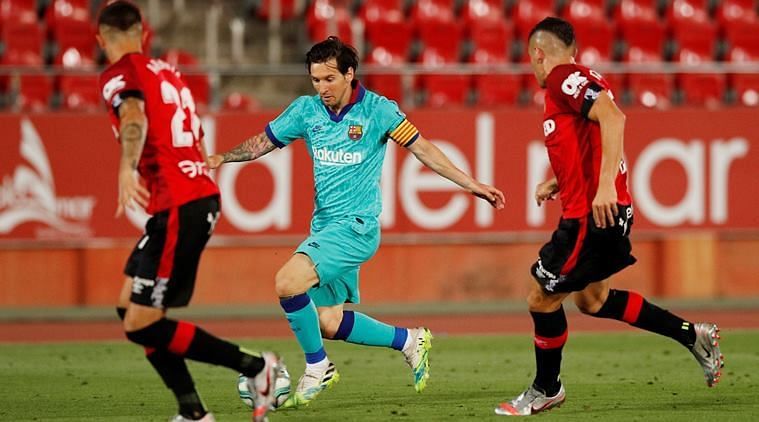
x=708 y=353
x=538 y=409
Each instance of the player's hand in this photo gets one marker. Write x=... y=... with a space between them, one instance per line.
x=546 y=191
x=214 y=161
x=605 y=205
x=131 y=192
x=494 y=196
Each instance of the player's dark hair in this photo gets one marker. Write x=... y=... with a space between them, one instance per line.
x=120 y=15
x=332 y=48
x=556 y=26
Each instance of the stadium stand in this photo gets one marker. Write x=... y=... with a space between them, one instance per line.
x=63 y=12
x=389 y=43
x=238 y=101
x=42 y=38
x=329 y=17
x=288 y=9
x=381 y=10
x=475 y=12
x=23 y=46
x=529 y=12
x=699 y=88
x=442 y=41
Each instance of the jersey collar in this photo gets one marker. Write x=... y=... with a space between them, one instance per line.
x=555 y=73
x=356 y=96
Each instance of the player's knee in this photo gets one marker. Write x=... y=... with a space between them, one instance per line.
x=135 y=320
x=534 y=299
x=328 y=324
x=589 y=304
x=284 y=283
x=287 y=284
x=539 y=301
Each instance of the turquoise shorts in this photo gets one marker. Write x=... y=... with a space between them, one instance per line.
x=337 y=251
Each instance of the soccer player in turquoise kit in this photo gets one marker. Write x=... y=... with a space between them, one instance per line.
x=346 y=129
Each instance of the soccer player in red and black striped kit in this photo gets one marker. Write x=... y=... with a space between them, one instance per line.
x=153 y=116
x=584 y=132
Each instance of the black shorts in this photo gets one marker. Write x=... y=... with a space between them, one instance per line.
x=164 y=263
x=579 y=253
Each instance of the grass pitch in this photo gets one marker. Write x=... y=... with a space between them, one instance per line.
x=608 y=376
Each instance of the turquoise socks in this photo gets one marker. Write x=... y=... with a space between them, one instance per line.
x=362 y=329
x=304 y=321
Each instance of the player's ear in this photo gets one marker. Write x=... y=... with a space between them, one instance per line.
x=100 y=40
x=349 y=75
x=539 y=54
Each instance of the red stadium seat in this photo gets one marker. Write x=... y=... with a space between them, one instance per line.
x=497 y=90
x=75 y=44
x=729 y=12
x=80 y=92
x=238 y=101
x=197 y=83
x=329 y=17
x=424 y=11
x=446 y=90
x=639 y=25
x=18 y=11
x=595 y=41
x=390 y=85
x=745 y=85
x=691 y=26
x=739 y=23
x=699 y=88
x=23 y=47
x=34 y=93
x=381 y=10
x=442 y=42
x=61 y=11
x=288 y=9
x=594 y=32
x=581 y=11
x=651 y=90
x=743 y=34
x=491 y=41
x=475 y=11
x=527 y=13
x=23 y=44
x=394 y=37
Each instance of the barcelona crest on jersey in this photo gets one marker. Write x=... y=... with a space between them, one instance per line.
x=355 y=132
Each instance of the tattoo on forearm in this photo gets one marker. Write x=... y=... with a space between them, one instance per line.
x=250 y=149
x=132 y=139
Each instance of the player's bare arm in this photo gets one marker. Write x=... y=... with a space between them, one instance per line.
x=250 y=149
x=546 y=191
x=132 y=133
x=612 y=122
x=431 y=156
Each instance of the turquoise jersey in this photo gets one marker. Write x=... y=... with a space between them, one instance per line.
x=347 y=150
